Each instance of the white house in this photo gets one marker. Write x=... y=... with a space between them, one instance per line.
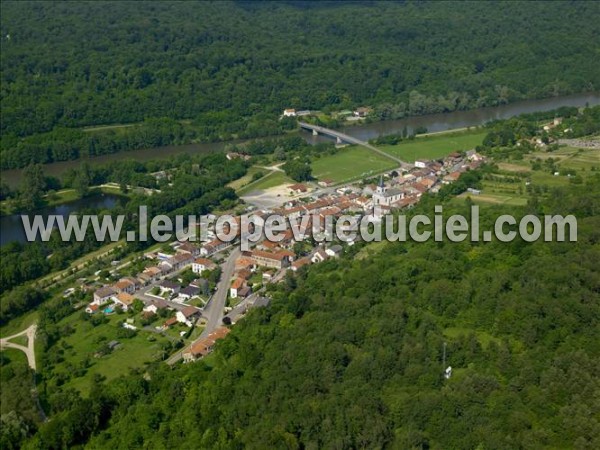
x=201 y=264
x=289 y=112
x=187 y=315
x=236 y=286
x=102 y=295
x=420 y=164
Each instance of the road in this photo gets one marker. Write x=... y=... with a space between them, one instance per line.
x=29 y=350
x=213 y=311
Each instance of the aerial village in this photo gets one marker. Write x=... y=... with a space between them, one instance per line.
x=237 y=284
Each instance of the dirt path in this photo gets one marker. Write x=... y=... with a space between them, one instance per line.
x=29 y=350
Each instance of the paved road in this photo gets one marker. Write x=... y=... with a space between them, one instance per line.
x=213 y=311
x=29 y=350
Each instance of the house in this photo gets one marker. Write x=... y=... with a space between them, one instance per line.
x=361 y=112
x=103 y=295
x=420 y=163
x=298 y=188
x=301 y=262
x=276 y=260
x=144 y=278
x=214 y=246
x=187 y=315
x=451 y=177
x=289 y=112
x=244 y=263
x=334 y=251
x=178 y=261
x=92 y=308
x=169 y=286
x=124 y=300
x=155 y=305
x=204 y=346
x=124 y=285
x=153 y=272
x=237 y=284
x=202 y=264
x=325 y=182
x=189 y=292
x=244 y=292
x=170 y=322
x=319 y=256
x=188 y=247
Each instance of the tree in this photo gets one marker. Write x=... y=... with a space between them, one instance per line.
x=83 y=180
x=32 y=187
x=298 y=170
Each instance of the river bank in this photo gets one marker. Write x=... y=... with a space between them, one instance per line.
x=434 y=123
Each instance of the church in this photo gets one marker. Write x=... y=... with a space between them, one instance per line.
x=384 y=196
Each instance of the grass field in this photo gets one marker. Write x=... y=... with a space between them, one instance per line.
x=270 y=180
x=241 y=182
x=87 y=339
x=350 y=163
x=434 y=146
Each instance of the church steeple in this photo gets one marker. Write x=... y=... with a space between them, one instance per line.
x=381 y=186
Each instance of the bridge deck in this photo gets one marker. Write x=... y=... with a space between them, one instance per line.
x=350 y=140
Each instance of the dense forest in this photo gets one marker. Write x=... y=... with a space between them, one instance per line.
x=350 y=353
x=191 y=71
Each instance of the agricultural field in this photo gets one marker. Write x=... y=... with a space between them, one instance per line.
x=350 y=163
x=498 y=191
x=435 y=146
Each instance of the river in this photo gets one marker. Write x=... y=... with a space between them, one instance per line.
x=433 y=123
x=11 y=227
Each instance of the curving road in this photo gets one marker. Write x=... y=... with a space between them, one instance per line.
x=29 y=350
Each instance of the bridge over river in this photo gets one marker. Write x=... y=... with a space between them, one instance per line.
x=341 y=137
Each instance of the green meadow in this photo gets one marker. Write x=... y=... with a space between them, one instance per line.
x=435 y=145
x=350 y=163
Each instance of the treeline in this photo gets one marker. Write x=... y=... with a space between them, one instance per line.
x=350 y=353
x=65 y=144
x=229 y=69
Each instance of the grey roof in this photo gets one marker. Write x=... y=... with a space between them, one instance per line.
x=190 y=290
x=336 y=248
x=262 y=302
x=392 y=192
x=169 y=284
